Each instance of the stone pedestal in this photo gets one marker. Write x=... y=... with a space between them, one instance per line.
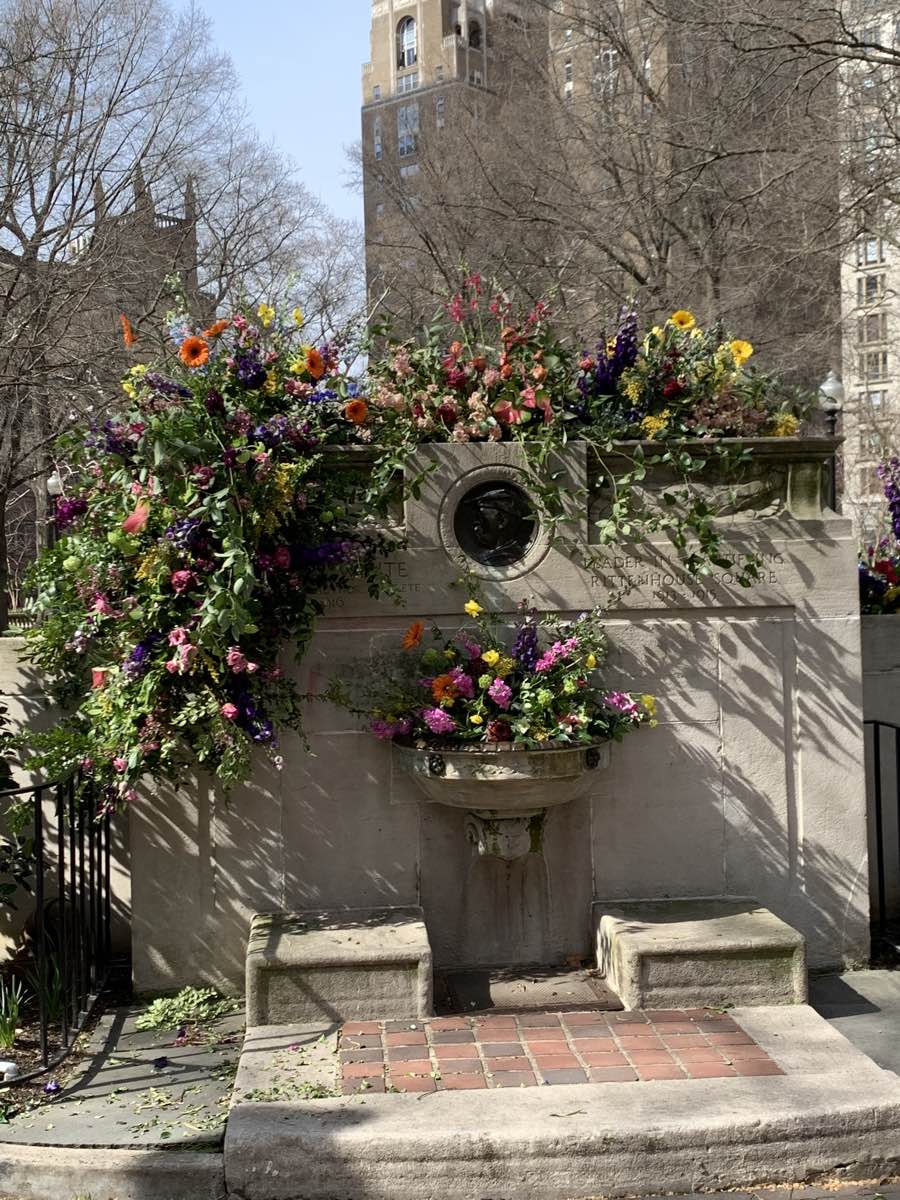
x=698 y=953
x=339 y=965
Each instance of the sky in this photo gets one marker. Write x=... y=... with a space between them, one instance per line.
x=299 y=63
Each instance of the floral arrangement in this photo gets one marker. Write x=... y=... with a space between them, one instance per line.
x=496 y=378
x=536 y=685
x=197 y=534
x=879 y=566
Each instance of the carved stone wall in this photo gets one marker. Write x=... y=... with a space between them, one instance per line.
x=753 y=783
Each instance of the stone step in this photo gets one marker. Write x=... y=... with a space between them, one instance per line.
x=338 y=965
x=699 y=952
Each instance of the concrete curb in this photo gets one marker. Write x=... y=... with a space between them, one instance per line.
x=49 y=1173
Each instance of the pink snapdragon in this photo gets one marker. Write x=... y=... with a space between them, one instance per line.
x=385 y=730
x=557 y=652
x=464 y=685
x=438 y=721
x=621 y=702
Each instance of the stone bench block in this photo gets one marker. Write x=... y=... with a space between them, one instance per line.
x=338 y=965
x=694 y=953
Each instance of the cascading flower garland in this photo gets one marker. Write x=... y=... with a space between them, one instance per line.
x=879 y=565
x=198 y=533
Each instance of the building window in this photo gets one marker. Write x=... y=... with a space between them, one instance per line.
x=873 y=365
x=409 y=170
x=869 y=251
x=438 y=74
x=407 y=43
x=870 y=289
x=606 y=69
x=379 y=209
x=568 y=72
x=475 y=35
x=872 y=328
x=377 y=140
x=407 y=129
x=376 y=92
x=407 y=83
x=440 y=107
x=875 y=401
x=475 y=78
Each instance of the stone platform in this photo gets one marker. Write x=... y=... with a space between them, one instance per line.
x=337 y=964
x=708 y=951
x=667 y=1118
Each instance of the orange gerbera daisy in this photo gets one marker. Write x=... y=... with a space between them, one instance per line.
x=217 y=328
x=128 y=336
x=413 y=635
x=194 y=352
x=315 y=363
x=444 y=689
x=356 y=411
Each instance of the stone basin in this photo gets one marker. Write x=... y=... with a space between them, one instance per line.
x=506 y=792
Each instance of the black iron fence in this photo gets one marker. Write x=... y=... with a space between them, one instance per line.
x=69 y=931
x=883 y=786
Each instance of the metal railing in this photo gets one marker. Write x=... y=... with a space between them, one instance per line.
x=883 y=787
x=71 y=942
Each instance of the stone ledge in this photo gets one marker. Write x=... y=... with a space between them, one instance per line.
x=52 y=1173
x=338 y=965
x=698 y=952
x=833 y=1113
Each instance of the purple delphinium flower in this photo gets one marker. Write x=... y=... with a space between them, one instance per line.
x=52 y=1088
x=610 y=364
x=68 y=511
x=525 y=649
x=438 y=721
x=186 y=533
x=249 y=371
x=138 y=661
x=889 y=474
x=500 y=693
x=166 y=387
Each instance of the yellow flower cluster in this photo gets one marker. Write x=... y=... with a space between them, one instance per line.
x=266 y=314
x=785 y=425
x=651 y=426
x=682 y=319
x=741 y=351
x=150 y=565
x=632 y=386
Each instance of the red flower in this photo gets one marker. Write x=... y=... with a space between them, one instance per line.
x=128 y=336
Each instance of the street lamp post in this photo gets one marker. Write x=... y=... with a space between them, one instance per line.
x=831 y=401
x=54 y=491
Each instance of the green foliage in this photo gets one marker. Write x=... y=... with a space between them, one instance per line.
x=48 y=988
x=12 y=1000
x=192 y=1006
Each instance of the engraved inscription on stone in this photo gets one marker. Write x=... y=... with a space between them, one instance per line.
x=495 y=524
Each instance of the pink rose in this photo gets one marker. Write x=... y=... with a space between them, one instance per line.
x=179 y=637
x=173 y=666
x=182 y=580
x=120 y=764
x=236 y=659
x=229 y=711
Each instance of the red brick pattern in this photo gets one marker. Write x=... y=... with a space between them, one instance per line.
x=531 y=1049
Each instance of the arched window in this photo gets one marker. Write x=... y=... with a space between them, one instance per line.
x=406 y=43
x=475 y=35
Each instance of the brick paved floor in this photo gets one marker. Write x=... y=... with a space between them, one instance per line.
x=528 y=1049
